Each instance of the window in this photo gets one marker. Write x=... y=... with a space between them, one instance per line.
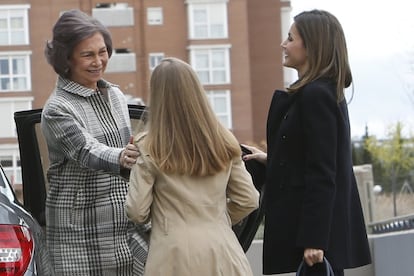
x=14 y=28
x=207 y=21
x=9 y=105
x=154 y=16
x=211 y=63
x=14 y=71
x=221 y=103
x=12 y=168
x=155 y=59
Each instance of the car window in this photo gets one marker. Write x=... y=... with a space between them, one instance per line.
x=4 y=186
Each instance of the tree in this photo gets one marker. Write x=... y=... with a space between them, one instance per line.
x=360 y=154
x=395 y=154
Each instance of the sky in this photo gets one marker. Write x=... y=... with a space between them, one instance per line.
x=380 y=41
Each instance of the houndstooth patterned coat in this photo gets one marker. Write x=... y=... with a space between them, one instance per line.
x=87 y=230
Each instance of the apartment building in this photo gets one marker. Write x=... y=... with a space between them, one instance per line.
x=234 y=46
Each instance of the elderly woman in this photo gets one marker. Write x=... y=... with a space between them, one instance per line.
x=87 y=129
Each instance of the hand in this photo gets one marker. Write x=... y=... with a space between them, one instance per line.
x=313 y=256
x=256 y=154
x=129 y=155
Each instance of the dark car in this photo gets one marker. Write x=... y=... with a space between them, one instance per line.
x=22 y=242
x=34 y=162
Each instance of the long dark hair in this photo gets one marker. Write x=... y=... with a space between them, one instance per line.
x=327 y=53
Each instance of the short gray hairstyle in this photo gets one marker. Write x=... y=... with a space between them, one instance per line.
x=72 y=27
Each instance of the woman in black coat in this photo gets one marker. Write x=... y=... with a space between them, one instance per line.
x=312 y=206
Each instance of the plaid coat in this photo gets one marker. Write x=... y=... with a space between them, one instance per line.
x=87 y=230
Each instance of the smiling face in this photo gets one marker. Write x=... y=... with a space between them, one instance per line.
x=88 y=61
x=294 y=51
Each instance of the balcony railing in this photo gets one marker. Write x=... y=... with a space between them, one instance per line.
x=392 y=225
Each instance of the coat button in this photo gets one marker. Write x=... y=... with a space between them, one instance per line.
x=284 y=137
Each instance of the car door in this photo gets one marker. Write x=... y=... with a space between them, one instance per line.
x=35 y=161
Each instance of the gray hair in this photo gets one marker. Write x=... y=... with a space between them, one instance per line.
x=72 y=27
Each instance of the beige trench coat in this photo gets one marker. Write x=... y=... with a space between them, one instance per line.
x=191 y=219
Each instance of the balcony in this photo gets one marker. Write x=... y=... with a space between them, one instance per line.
x=122 y=60
x=114 y=14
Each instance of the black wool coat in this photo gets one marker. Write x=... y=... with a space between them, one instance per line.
x=311 y=198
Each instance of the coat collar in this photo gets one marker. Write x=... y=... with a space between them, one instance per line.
x=77 y=89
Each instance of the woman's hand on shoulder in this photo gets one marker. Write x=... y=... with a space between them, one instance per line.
x=129 y=155
x=255 y=154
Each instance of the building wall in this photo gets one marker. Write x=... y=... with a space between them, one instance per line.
x=265 y=58
x=255 y=65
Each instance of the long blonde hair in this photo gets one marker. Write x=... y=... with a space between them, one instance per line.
x=326 y=49
x=184 y=135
